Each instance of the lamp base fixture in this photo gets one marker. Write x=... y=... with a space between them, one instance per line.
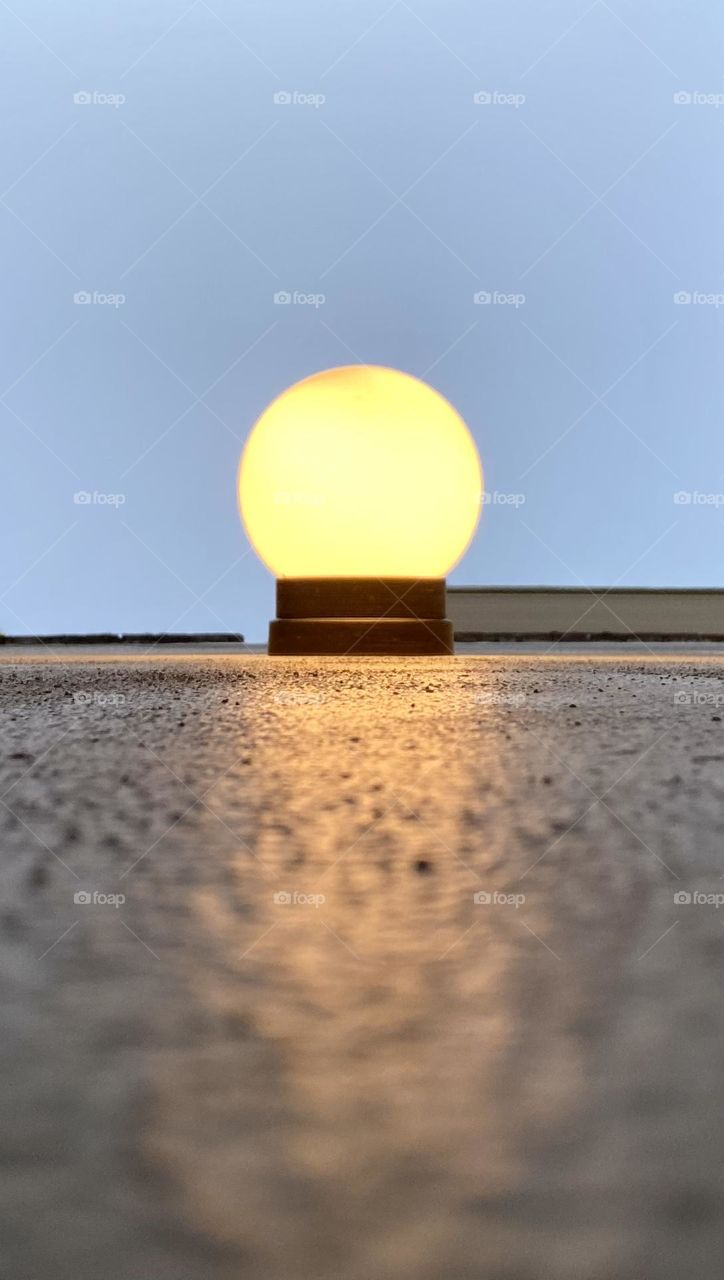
x=400 y=617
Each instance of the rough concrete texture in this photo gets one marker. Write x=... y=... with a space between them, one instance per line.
x=396 y=1083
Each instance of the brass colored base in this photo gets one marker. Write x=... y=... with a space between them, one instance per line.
x=364 y=616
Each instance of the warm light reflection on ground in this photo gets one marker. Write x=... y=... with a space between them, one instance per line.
x=340 y=1052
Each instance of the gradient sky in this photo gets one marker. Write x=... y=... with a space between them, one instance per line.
x=583 y=186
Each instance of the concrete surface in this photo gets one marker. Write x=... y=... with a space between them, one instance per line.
x=397 y=1082
x=625 y=613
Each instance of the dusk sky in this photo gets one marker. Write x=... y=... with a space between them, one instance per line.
x=518 y=201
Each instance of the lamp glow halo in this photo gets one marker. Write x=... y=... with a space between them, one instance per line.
x=360 y=473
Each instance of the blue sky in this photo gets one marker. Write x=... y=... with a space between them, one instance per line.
x=577 y=198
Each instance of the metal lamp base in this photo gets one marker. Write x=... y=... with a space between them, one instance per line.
x=361 y=616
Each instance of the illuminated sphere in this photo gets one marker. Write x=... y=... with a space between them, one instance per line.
x=360 y=472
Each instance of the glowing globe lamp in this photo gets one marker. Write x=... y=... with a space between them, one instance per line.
x=360 y=488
